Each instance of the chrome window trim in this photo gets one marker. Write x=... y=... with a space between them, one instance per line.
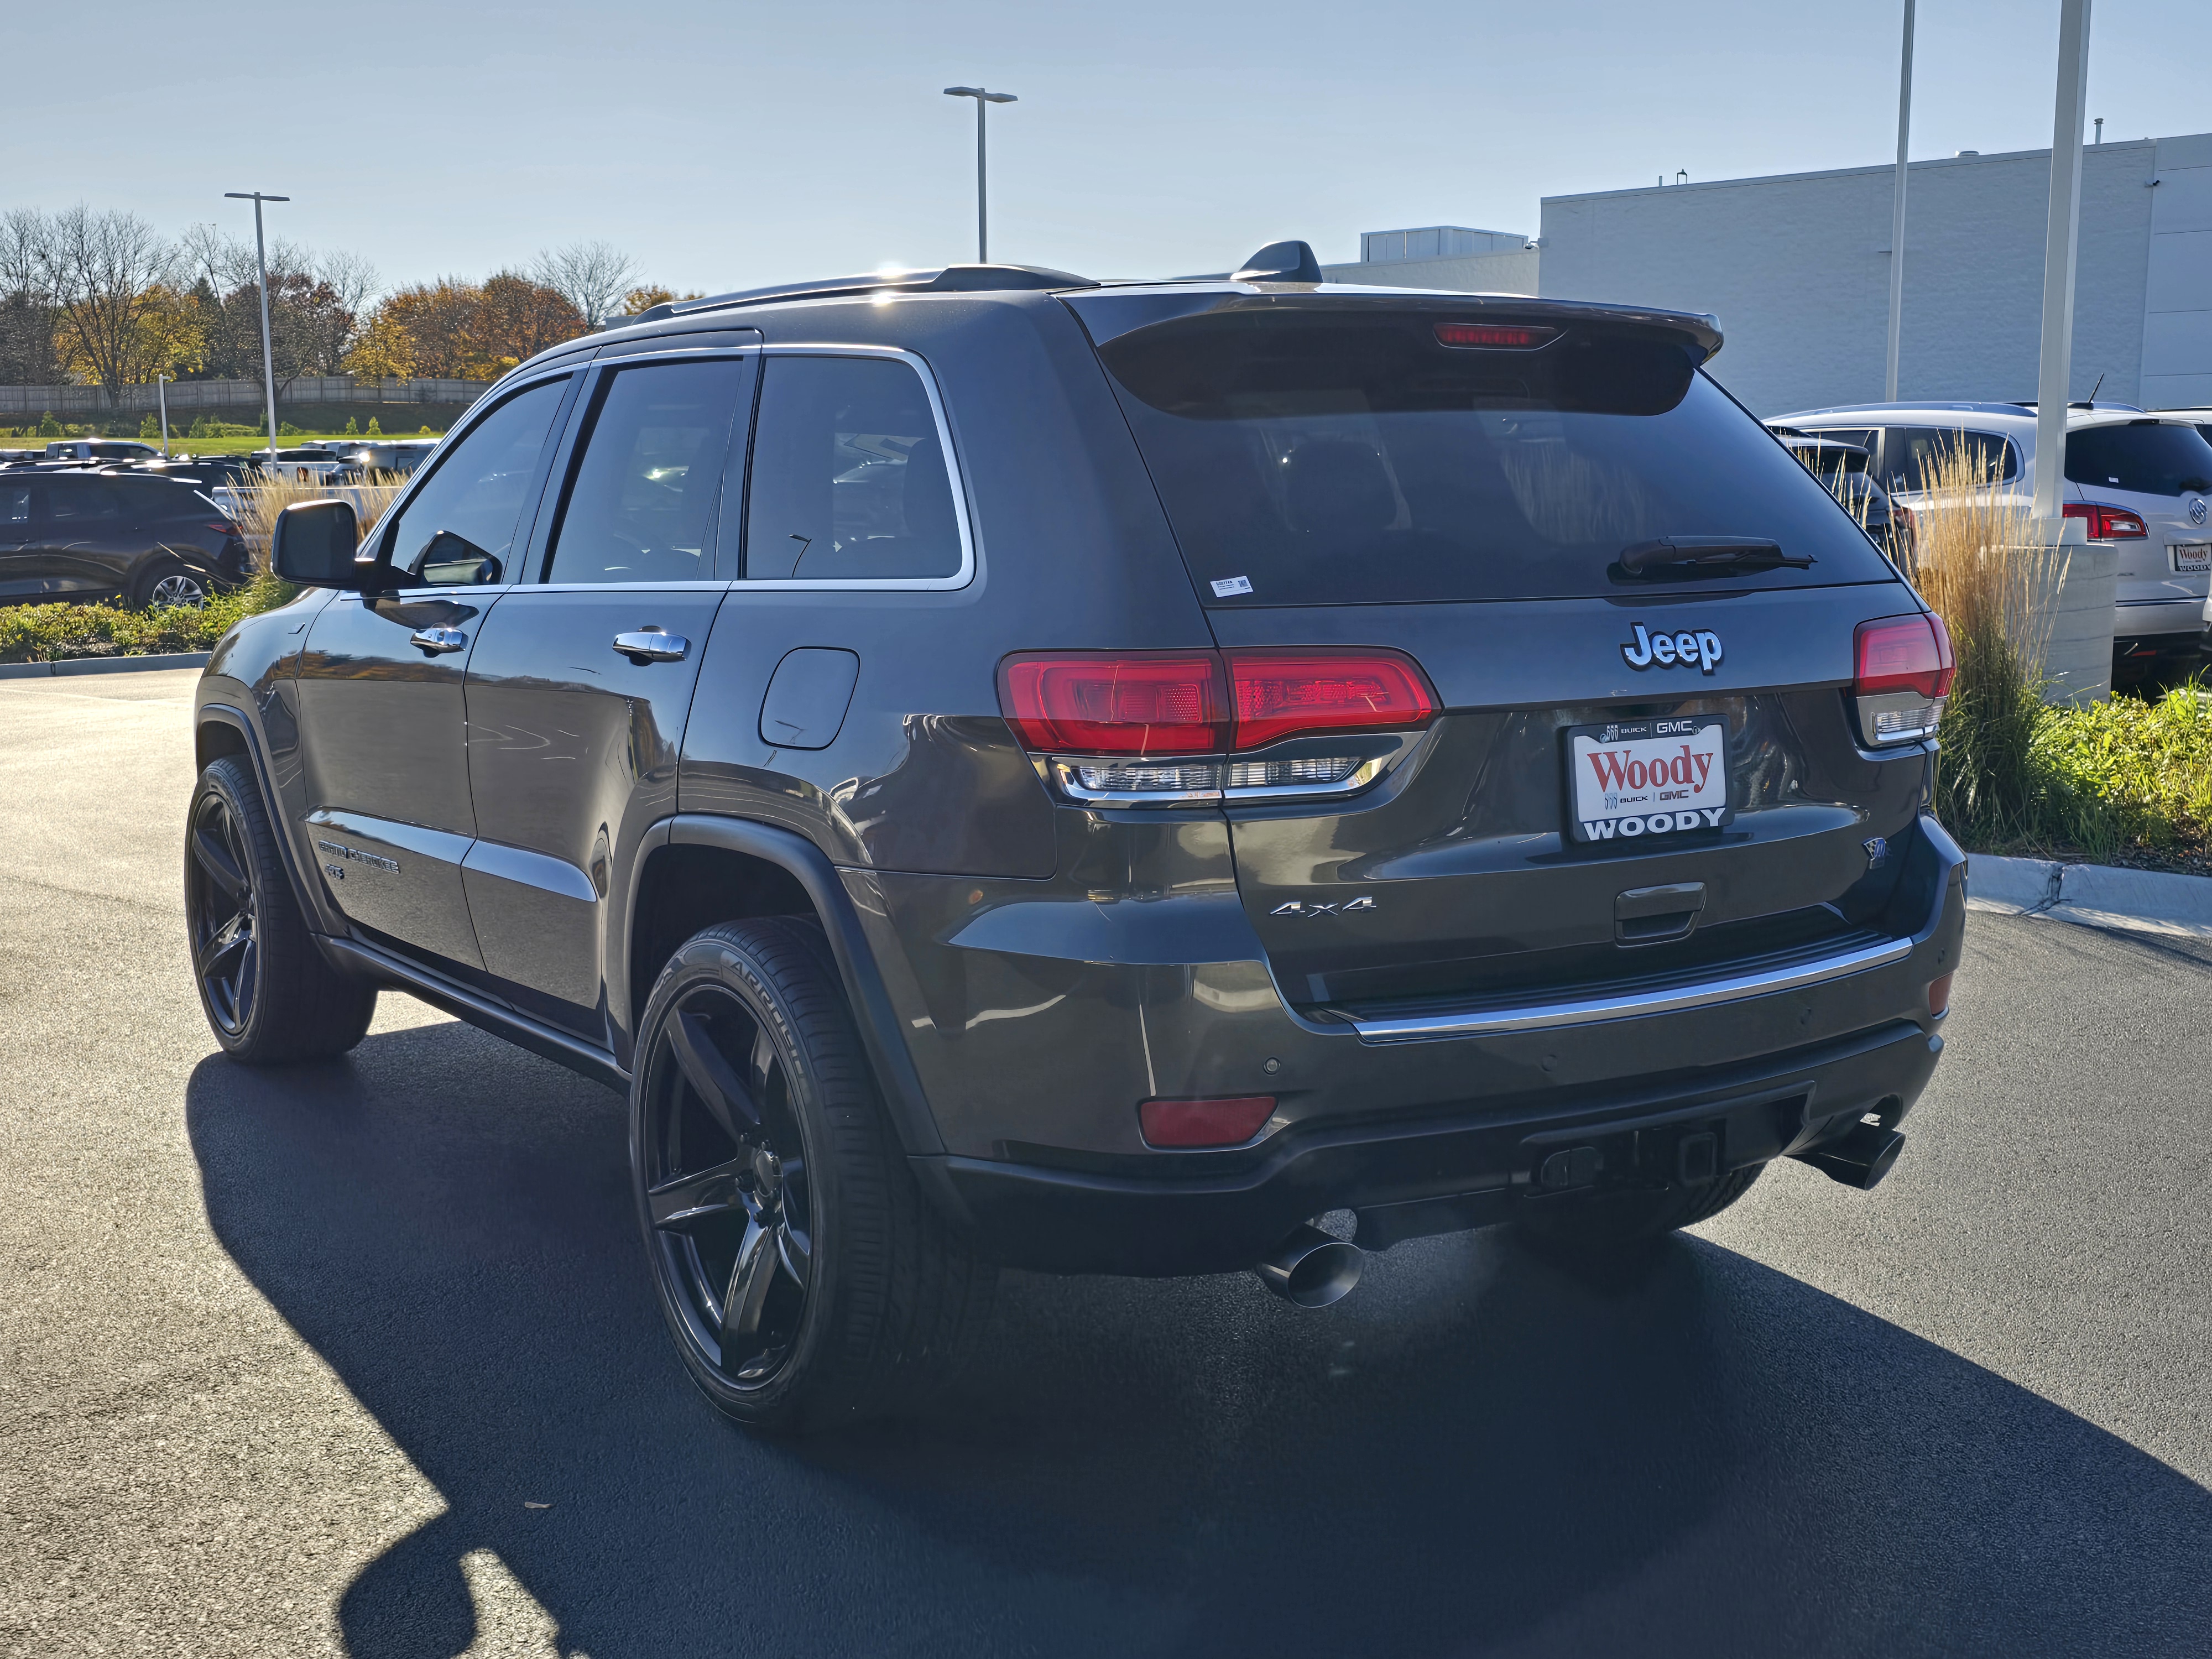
x=1541 y=1017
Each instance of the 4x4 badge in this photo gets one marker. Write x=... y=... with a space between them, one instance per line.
x=1703 y=649
x=1297 y=907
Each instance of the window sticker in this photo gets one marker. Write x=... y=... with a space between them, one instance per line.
x=1230 y=586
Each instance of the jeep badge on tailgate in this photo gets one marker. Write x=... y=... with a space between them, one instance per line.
x=1703 y=649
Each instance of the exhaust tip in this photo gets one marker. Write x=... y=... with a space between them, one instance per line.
x=1860 y=1159
x=1310 y=1269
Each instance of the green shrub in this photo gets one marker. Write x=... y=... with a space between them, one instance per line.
x=286 y=430
x=374 y=430
x=49 y=426
x=54 y=633
x=352 y=428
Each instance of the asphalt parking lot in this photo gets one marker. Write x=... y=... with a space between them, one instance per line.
x=362 y=1359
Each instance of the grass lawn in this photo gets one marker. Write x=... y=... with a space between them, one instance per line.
x=180 y=445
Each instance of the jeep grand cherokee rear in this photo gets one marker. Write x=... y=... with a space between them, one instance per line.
x=1570 y=748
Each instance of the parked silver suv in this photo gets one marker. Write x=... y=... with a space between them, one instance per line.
x=2140 y=481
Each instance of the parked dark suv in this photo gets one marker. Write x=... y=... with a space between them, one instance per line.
x=145 y=539
x=1007 y=769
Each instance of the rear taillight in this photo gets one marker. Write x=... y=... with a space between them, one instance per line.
x=222 y=527
x=2108 y=524
x=1903 y=673
x=1116 y=725
x=1134 y=703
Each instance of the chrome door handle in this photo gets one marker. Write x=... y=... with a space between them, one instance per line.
x=650 y=645
x=436 y=642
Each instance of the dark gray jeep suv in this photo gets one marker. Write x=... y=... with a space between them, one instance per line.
x=1002 y=768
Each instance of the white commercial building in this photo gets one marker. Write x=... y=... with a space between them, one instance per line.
x=1797 y=267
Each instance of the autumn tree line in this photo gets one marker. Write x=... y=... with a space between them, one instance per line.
x=104 y=298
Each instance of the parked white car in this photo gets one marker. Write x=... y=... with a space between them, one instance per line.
x=2141 y=481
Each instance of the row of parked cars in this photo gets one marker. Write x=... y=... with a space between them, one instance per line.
x=2139 y=481
x=87 y=518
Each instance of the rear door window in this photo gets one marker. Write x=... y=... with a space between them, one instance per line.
x=1341 y=457
x=642 y=504
x=2149 y=457
x=82 y=500
x=1914 y=456
x=850 y=477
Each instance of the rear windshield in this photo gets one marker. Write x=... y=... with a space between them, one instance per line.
x=1342 y=459
x=2151 y=457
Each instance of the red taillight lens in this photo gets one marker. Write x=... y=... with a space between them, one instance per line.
x=2108 y=524
x=1277 y=694
x=1132 y=703
x=224 y=528
x=1512 y=337
x=1904 y=653
x=1222 y=1122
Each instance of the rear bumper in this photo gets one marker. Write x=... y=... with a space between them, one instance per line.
x=1409 y=1179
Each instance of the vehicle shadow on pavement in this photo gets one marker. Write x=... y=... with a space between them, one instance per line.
x=1480 y=1451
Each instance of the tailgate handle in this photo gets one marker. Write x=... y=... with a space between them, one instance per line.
x=1651 y=915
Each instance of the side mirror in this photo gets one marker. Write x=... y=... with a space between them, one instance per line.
x=313 y=544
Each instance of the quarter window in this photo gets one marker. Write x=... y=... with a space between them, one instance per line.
x=849 y=478
x=458 y=528
x=642 y=505
x=1913 y=458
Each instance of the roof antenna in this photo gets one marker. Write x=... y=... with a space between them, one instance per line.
x=2092 y=390
x=1680 y=177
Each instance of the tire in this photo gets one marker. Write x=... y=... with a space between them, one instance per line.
x=166 y=582
x=1601 y=1222
x=806 y=1282
x=270 y=996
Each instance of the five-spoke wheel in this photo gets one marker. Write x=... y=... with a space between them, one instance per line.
x=220 y=905
x=725 y=1182
x=269 y=993
x=805 y=1280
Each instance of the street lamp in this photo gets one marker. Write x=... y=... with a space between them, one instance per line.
x=161 y=392
x=261 y=263
x=982 y=217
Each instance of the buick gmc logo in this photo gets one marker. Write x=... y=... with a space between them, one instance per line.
x=1686 y=650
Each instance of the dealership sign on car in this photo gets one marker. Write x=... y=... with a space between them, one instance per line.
x=1654 y=777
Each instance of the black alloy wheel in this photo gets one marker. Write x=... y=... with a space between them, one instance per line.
x=724 y=1171
x=219 y=902
x=806 y=1281
x=270 y=995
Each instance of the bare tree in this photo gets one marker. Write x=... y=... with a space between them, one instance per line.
x=28 y=357
x=593 y=277
x=107 y=273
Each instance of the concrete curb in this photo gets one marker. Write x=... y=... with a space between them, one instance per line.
x=2094 y=895
x=39 y=671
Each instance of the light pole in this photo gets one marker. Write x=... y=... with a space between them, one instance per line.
x=2060 y=237
x=161 y=392
x=1897 y=217
x=982 y=215
x=261 y=264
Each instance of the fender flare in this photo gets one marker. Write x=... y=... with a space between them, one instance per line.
x=223 y=713
x=873 y=1014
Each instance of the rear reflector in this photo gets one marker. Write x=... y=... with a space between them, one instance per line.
x=1128 y=704
x=1229 y=1122
x=1939 y=995
x=1189 y=702
x=1510 y=336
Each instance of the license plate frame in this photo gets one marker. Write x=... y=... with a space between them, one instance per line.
x=1701 y=794
x=2191 y=558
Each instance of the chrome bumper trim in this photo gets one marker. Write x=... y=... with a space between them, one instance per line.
x=1541 y=1017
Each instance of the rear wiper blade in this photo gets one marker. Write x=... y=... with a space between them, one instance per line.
x=1697 y=555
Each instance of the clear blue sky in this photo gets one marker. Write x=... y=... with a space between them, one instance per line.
x=726 y=145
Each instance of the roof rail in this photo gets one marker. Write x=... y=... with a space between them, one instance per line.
x=948 y=279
